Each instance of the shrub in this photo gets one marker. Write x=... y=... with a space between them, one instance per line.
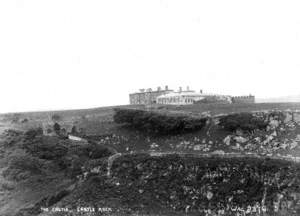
x=92 y=151
x=11 y=137
x=74 y=130
x=15 y=118
x=99 y=151
x=56 y=117
x=25 y=120
x=7 y=185
x=157 y=122
x=26 y=162
x=32 y=133
x=56 y=127
x=22 y=165
x=46 y=148
x=244 y=121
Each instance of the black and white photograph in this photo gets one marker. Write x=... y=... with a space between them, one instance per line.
x=149 y=108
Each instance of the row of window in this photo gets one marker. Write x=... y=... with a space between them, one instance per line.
x=175 y=100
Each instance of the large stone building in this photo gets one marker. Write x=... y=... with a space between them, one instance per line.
x=183 y=97
x=148 y=96
x=191 y=97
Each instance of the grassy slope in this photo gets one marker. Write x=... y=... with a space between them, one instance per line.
x=99 y=122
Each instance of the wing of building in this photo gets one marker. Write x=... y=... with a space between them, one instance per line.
x=183 y=97
x=148 y=96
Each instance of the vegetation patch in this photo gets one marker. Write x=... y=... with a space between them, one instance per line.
x=243 y=121
x=214 y=184
x=22 y=165
x=158 y=123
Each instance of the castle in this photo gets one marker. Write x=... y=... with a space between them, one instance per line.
x=183 y=97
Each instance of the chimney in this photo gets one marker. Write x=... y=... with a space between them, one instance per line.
x=180 y=89
x=166 y=88
x=201 y=91
x=158 y=88
x=187 y=88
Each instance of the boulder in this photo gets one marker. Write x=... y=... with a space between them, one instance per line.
x=293 y=145
x=197 y=147
x=274 y=124
x=209 y=195
x=227 y=140
x=218 y=152
x=240 y=139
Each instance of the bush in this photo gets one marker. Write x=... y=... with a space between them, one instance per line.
x=56 y=117
x=91 y=151
x=22 y=165
x=11 y=137
x=99 y=151
x=244 y=121
x=158 y=123
x=26 y=162
x=7 y=185
x=32 y=133
x=46 y=148
x=56 y=128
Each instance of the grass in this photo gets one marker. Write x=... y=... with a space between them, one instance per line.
x=99 y=126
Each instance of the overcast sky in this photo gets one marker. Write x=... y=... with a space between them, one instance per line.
x=77 y=54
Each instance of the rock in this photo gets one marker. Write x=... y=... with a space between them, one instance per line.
x=237 y=146
x=257 y=139
x=274 y=124
x=206 y=149
x=153 y=145
x=218 y=152
x=206 y=114
x=240 y=139
x=209 y=195
x=227 y=140
x=293 y=145
x=269 y=138
x=274 y=134
x=56 y=197
x=197 y=147
x=283 y=146
x=139 y=166
x=239 y=132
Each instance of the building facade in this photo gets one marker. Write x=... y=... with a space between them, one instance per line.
x=183 y=97
x=243 y=99
x=148 y=96
x=191 y=97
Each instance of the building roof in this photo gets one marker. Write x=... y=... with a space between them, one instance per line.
x=183 y=93
x=200 y=96
x=156 y=91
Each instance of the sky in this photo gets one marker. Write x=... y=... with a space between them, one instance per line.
x=70 y=54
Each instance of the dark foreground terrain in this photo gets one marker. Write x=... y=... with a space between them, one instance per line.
x=234 y=164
